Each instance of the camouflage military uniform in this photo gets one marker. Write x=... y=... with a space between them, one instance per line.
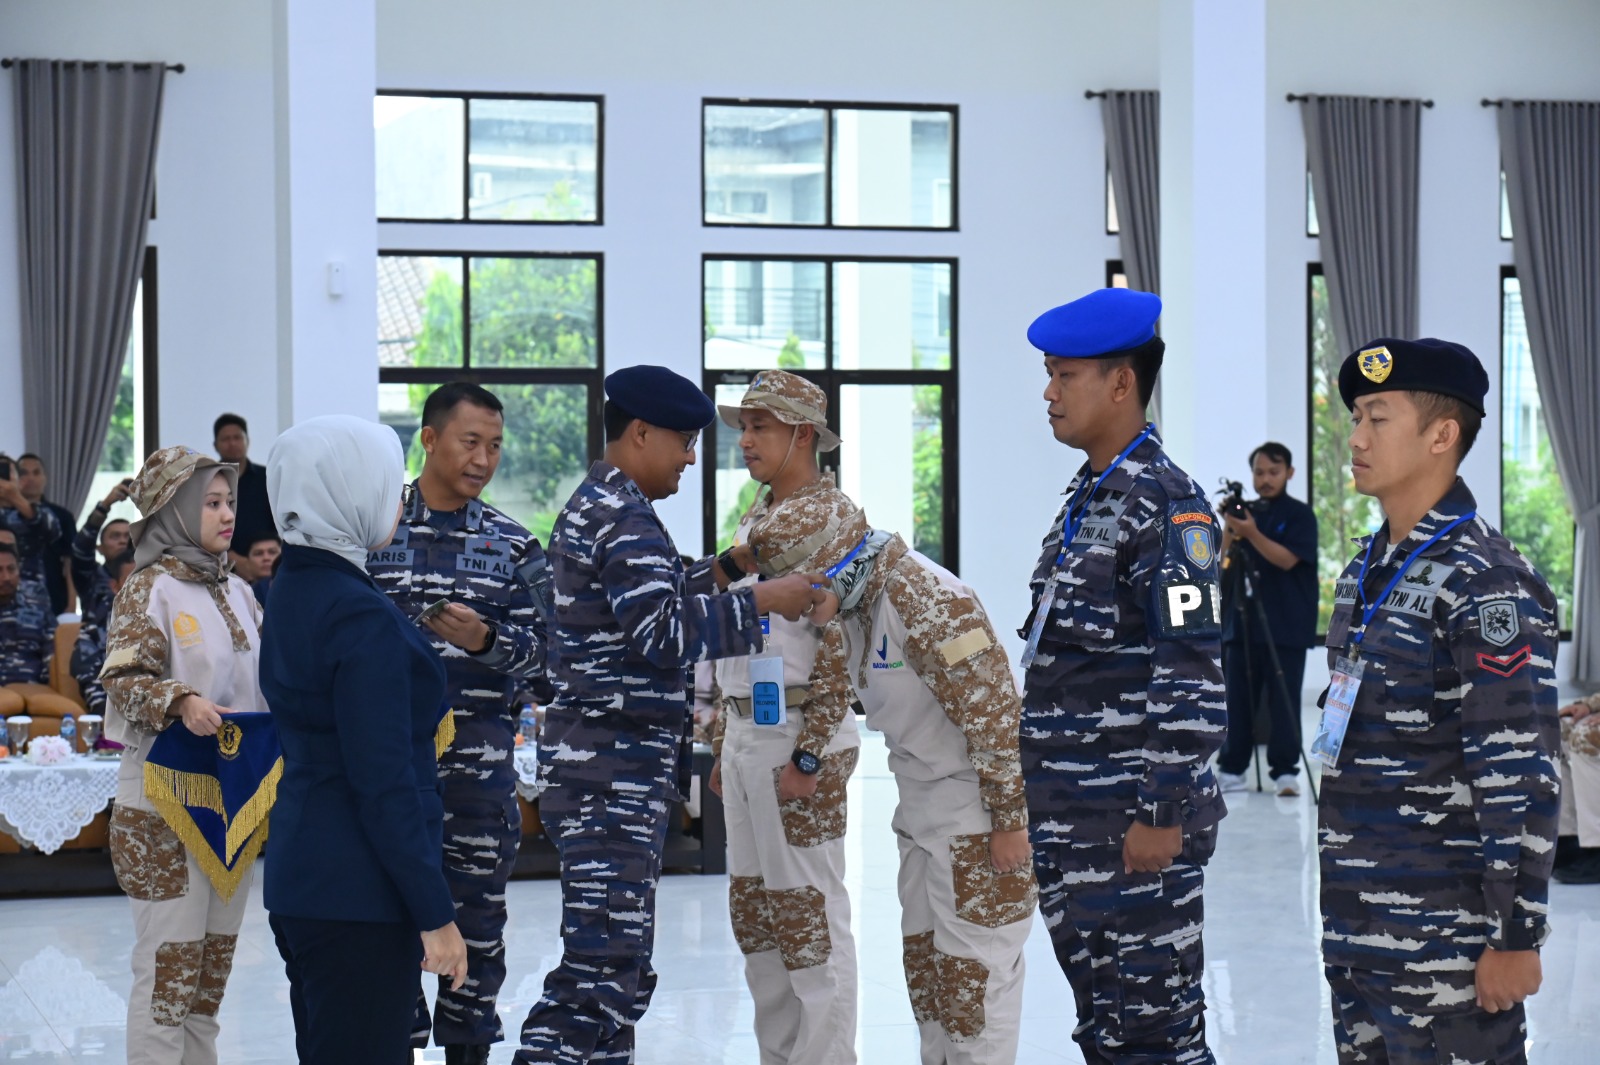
x=478 y=557
x=924 y=662
x=1123 y=707
x=95 y=596
x=27 y=638
x=786 y=859
x=1438 y=824
x=35 y=536
x=628 y=623
x=1580 y=775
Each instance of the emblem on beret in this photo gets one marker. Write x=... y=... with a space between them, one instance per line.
x=1197 y=545
x=229 y=738
x=1376 y=364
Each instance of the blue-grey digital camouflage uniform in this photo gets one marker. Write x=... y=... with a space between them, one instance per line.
x=34 y=536
x=629 y=621
x=1123 y=707
x=27 y=640
x=95 y=596
x=478 y=557
x=1438 y=823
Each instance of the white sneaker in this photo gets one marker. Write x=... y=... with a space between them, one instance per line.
x=1288 y=785
x=1231 y=781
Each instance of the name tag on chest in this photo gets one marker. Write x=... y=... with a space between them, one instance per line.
x=395 y=557
x=485 y=556
x=1418 y=589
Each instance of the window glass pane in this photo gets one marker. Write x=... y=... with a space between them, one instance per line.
x=534 y=312
x=891 y=316
x=420 y=141
x=1505 y=219
x=1536 y=516
x=545 y=452
x=1313 y=227
x=1342 y=513
x=765 y=165
x=733 y=489
x=888 y=166
x=119 y=456
x=764 y=315
x=1113 y=224
x=892 y=459
x=534 y=160
x=419 y=311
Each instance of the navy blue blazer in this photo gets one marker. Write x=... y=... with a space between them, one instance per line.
x=357 y=833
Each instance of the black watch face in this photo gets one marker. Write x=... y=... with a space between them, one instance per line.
x=807 y=763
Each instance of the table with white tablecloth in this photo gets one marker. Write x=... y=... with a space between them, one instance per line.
x=44 y=806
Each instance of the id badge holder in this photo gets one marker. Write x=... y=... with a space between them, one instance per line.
x=1041 y=615
x=1343 y=687
x=766 y=691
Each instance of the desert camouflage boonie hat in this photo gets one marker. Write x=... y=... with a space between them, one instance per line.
x=788 y=397
x=164 y=472
x=810 y=531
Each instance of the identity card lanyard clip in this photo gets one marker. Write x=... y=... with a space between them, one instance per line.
x=768 y=706
x=1077 y=510
x=1345 y=683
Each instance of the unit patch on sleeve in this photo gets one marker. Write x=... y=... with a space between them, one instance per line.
x=1498 y=622
x=1188 y=609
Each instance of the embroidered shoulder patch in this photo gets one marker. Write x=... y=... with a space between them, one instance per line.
x=1506 y=665
x=1497 y=621
x=965 y=646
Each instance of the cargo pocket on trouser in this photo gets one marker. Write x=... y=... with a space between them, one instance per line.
x=814 y=821
x=147 y=856
x=1158 y=993
x=1475 y=1037
x=629 y=926
x=984 y=896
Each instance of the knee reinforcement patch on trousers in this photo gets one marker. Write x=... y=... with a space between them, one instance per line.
x=799 y=919
x=962 y=986
x=747 y=909
x=147 y=856
x=814 y=821
x=216 y=962
x=177 y=979
x=986 y=897
x=922 y=980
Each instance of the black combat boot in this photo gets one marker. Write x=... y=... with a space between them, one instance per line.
x=456 y=1054
x=1584 y=869
x=1567 y=851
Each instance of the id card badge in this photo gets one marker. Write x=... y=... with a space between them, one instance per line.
x=1041 y=615
x=1343 y=687
x=766 y=691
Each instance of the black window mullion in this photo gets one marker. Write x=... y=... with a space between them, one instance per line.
x=949 y=450
x=466 y=159
x=827 y=171
x=466 y=312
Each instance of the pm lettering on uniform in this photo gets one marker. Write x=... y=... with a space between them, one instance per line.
x=1189 y=609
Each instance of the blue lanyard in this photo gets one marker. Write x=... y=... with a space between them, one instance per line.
x=833 y=571
x=1073 y=521
x=1369 y=610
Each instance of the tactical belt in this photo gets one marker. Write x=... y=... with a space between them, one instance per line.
x=792 y=698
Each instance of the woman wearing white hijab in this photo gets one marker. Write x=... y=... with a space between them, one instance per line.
x=356 y=887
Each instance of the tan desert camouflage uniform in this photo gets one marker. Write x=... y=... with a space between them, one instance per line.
x=174 y=632
x=1580 y=775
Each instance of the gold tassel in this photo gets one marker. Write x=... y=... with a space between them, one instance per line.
x=446 y=735
x=168 y=788
x=254 y=812
x=185 y=789
x=224 y=881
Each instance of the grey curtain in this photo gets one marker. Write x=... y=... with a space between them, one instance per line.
x=1551 y=155
x=1363 y=153
x=86 y=149
x=1133 y=143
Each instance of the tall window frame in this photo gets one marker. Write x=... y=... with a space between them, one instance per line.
x=138 y=403
x=830 y=107
x=467 y=99
x=833 y=380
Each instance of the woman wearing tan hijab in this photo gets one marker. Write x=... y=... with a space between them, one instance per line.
x=182 y=650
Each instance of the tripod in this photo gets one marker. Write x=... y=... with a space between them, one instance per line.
x=1244 y=579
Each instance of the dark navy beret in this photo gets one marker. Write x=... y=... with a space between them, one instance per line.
x=1426 y=365
x=656 y=395
x=1106 y=322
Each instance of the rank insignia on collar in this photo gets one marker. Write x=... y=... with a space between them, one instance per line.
x=1497 y=621
x=1376 y=364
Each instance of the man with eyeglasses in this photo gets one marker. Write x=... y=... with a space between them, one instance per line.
x=629 y=621
x=491 y=576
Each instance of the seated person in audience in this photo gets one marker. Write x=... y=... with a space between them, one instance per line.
x=252 y=512
x=32 y=477
x=27 y=635
x=89 y=651
x=91 y=580
x=263 y=554
x=115 y=537
x=34 y=527
x=32 y=588
x=1578 y=842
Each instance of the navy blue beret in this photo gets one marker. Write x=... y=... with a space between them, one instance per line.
x=1106 y=322
x=1426 y=365
x=656 y=395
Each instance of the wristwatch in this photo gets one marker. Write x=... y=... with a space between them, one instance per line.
x=806 y=762
x=729 y=567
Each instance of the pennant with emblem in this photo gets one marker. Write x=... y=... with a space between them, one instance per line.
x=215 y=792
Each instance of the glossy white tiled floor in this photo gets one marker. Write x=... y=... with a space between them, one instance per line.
x=64 y=962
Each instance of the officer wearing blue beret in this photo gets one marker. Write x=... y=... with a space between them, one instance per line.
x=1123 y=701
x=1439 y=736
x=629 y=621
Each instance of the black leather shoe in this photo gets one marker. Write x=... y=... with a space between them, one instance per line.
x=1584 y=869
x=1567 y=851
x=456 y=1054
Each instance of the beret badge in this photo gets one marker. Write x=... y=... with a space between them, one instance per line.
x=1376 y=364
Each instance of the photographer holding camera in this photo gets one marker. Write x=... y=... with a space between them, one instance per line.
x=1269 y=600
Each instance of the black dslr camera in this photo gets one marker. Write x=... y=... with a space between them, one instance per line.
x=1233 y=502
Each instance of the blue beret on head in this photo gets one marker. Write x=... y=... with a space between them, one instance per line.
x=656 y=395
x=1105 y=323
x=1426 y=365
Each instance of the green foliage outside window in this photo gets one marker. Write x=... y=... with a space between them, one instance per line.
x=118 y=454
x=1536 y=518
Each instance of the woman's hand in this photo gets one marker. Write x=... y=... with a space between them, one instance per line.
x=444 y=953
x=200 y=716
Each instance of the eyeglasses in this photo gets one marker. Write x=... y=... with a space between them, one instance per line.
x=689 y=440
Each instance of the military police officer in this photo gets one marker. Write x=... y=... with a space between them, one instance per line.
x=1123 y=704
x=1439 y=736
x=629 y=621
x=482 y=581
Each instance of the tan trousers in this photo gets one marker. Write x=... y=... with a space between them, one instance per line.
x=787 y=899
x=964 y=926
x=1580 y=780
x=184 y=935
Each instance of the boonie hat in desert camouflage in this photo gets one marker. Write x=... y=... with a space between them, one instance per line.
x=788 y=397
x=810 y=531
x=165 y=471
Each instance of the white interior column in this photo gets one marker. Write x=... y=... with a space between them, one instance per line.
x=1214 y=234
x=325 y=75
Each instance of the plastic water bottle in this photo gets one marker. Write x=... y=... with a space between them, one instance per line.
x=528 y=725
x=69 y=731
